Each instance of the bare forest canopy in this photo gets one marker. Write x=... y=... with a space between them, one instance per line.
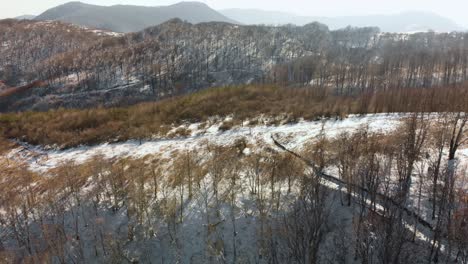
x=222 y=143
x=80 y=67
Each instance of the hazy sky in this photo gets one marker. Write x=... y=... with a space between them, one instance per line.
x=453 y=9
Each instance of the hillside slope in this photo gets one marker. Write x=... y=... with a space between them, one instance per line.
x=232 y=195
x=177 y=57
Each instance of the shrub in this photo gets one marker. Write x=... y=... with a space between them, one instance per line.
x=226 y=125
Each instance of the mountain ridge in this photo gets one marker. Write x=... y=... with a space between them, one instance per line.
x=130 y=18
x=409 y=21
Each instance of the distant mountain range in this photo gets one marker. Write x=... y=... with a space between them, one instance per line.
x=404 y=22
x=128 y=18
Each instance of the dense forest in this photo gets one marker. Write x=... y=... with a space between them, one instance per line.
x=80 y=67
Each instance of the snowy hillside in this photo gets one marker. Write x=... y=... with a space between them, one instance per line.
x=223 y=196
x=82 y=67
x=293 y=135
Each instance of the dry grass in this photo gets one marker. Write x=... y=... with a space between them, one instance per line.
x=6 y=145
x=68 y=128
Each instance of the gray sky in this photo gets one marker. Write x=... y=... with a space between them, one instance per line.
x=453 y=9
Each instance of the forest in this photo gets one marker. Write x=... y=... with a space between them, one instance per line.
x=223 y=143
x=360 y=196
x=80 y=68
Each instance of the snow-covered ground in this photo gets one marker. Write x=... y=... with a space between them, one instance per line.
x=292 y=135
x=187 y=241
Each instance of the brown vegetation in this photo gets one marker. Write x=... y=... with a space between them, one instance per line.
x=15 y=90
x=67 y=128
x=153 y=192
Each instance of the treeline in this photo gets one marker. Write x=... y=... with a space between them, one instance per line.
x=178 y=57
x=25 y=45
x=66 y=128
x=390 y=62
